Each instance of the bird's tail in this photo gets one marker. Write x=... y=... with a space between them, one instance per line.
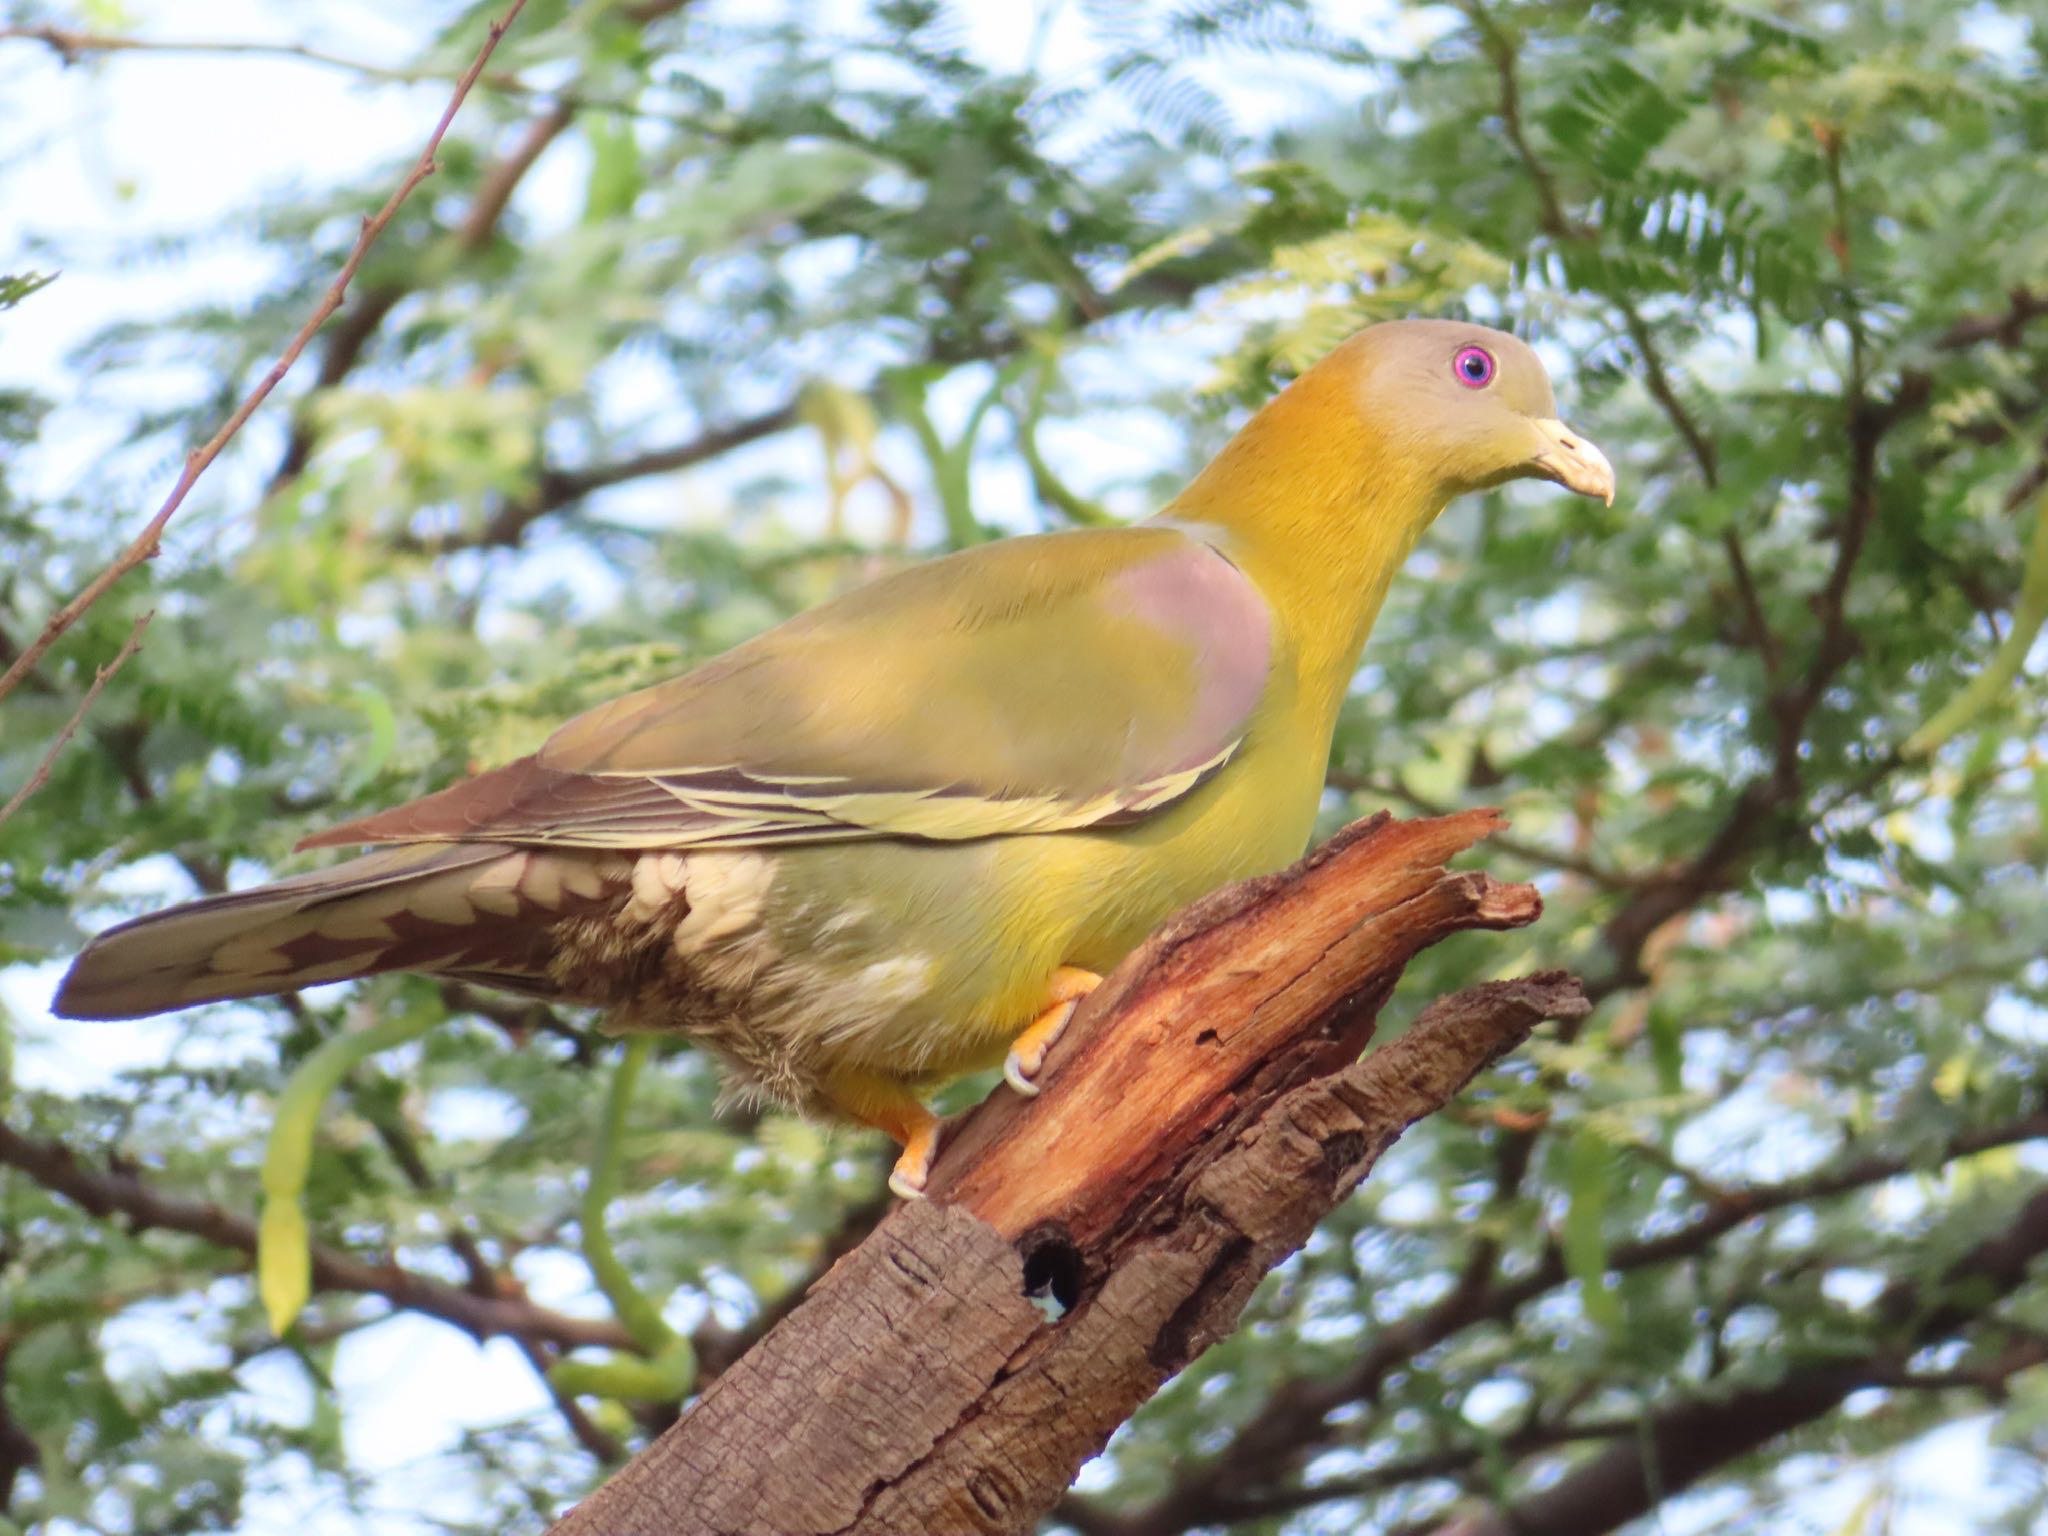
x=481 y=910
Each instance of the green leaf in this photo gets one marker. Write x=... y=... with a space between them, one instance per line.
x=14 y=288
x=1984 y=690
x=283 y=1265
x=1589 y=1185
x=615 y=176
x=377 y=747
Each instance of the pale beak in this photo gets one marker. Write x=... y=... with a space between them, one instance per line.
x=1570 y=460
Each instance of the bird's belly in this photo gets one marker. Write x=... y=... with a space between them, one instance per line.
x=920 y=961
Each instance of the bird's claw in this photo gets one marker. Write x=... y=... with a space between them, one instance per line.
x=1028 y=1051
x=913 y=1168
x=902 y=1185
x=1027 y=1056
x=1018 y=1074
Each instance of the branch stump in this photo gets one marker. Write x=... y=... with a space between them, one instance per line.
x=1204 y=1110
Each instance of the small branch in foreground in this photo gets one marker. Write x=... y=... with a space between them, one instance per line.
x=41 y=775
x=146 y=543
x=1705 y=454
x=494 y=192
x=1752 y=605
x=1658 y=382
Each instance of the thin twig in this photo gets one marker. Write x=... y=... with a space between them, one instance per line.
x=1294 y=1422
x=485 y=1279
x=1691 y=1435
x=1656 y=378
x=1752 y=606
x=2023 y=305
x=1500 y=48
x=72 y=44
x=1534 y=853
x=344 y=344
x=554 y=489
x=146 y=543
x=41 y=776
x=1658 y=382
x=495 y=190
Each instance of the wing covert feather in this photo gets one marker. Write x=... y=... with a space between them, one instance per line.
x=1034 y=684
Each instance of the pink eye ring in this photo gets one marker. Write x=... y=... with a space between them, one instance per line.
x=1473 y=367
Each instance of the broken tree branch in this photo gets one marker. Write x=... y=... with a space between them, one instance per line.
x=1204 y=1111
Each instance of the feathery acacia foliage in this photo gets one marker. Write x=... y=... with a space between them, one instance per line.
x=1789 y=269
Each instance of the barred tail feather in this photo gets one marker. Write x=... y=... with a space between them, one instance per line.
x=461 y=908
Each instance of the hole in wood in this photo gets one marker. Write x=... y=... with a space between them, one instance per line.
x=1053 y=1271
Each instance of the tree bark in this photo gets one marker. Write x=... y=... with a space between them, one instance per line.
x=1205 y=1109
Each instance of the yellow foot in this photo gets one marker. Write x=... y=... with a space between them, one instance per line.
x=914 y=1167
x=1027 y=1052
x=889 y=1106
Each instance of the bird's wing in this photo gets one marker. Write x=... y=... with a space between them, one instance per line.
x=1042 y=684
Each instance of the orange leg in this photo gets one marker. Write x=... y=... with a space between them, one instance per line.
x=1027 y=1052
x=888 y=1106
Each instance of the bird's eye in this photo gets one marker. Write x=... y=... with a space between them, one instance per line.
x=1473 y=366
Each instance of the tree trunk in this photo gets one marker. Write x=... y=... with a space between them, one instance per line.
x=1204 y=1110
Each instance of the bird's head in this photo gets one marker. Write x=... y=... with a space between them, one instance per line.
x=1473 y=404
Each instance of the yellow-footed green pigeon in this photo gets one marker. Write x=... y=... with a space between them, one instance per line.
x=894 y=839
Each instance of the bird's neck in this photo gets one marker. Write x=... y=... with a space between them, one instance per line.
x=1321 y=512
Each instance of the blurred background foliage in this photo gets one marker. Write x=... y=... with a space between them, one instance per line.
x=714 y=309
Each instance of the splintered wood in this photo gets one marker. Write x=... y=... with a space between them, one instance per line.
x=1206 y=1107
